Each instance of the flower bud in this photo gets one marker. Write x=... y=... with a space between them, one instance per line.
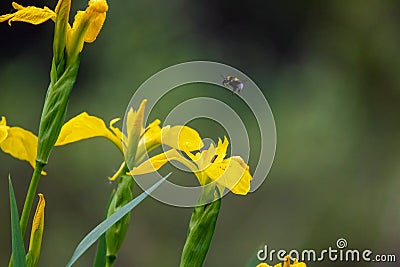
x=35 y=242
x=116 y=234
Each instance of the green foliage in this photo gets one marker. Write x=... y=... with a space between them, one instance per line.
x=54 y=111
x=100 y=229
x=18 y=249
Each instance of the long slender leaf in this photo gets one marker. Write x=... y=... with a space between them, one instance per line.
x=100 y=229
x=18 y=249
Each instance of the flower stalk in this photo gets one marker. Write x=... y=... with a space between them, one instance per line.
x=201 y=229
x=116 y=234
x=30 y=195
x=67 y=44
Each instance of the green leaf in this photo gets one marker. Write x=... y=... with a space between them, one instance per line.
x=100 y=229
x=18 y=249
x=201 y=230
x=59 y=42
x=54 y=111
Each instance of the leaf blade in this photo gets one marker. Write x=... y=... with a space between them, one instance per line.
x=18 y=249
x=100 y=229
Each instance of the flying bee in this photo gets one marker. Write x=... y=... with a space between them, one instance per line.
x=234 y=83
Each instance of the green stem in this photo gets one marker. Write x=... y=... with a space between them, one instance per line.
x=30 y=196
x=110 y=261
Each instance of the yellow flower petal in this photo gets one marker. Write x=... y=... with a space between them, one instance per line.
x=87 y=25
x=149 y=140
x=263 y=265
x=3 y=133
x=152 y=134
x=208 y=165
x=134 y=128
x=221 y=150
x=39 y=214
x=97 y=10
x=183 y=138
x=76 y=34
x=85 y=126
x=118 y=173
x=3 y=129
x=20 y=144
x=231 y=174
x=29 y=14
x=3 y=121
x=205 y=158
x=115 y=130
x=134 y=120
x=151 y=165
x=155 y=163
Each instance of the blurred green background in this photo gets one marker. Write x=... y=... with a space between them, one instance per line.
x=330 y=71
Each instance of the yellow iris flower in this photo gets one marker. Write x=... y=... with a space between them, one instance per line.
x=286 y=263
x=22 y=144
x=85 y=28
x=208 y=165
x=85 y=126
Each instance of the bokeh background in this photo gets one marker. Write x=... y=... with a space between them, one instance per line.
x=330 y=71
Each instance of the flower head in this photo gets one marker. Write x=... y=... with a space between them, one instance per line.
x=208 y=165
x=85 y=126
